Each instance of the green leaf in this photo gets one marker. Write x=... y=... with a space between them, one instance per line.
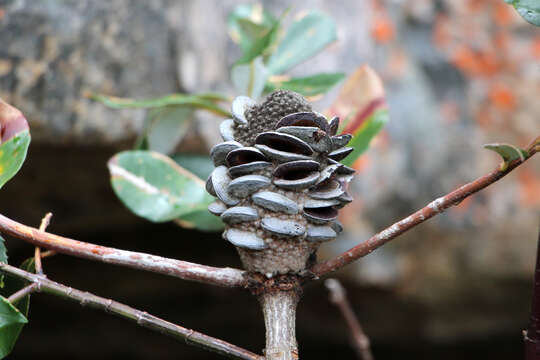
x=249 y=23
x=370 y=127
x=165 y=127
x=307 y=86
x=264 y=44
x=153 y=186
x=200 y=165
x=528 y=9
x=304 y=38
x=508 y=153
x=18 y=311
x=216 y=97
x=249 y=79
x=12 y=155
x=11 y=324
x=3 y=251
x=260 y=46
x=197 y=101
x=534 y=144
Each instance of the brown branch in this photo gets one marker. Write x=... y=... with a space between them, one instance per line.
x=227 y=277
x=279 y=310
x=435 y=207
x=27 y=290
x=37 y=253
x=48 y=253
x=360 y=340
x=140 y=317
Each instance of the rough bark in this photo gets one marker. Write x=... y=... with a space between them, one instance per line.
x=279 y=309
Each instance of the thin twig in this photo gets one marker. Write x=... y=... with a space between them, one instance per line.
x=140 y=317
x=27 y=290
x=227 y=277
x=360 y=340
x=433 y=208
x=37 y=253
x=48 y=253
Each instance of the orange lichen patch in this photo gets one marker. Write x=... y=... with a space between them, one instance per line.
x=465 y=59
x=501 y=40
x=382 y=30
x=475 y=63
x=488 y=63
x=530 y=187
x=502 y=14
x=502 y=97
x=441 y=34
x=535 y=48
x=476 y=5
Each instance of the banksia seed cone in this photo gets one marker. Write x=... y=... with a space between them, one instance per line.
x=278 y=181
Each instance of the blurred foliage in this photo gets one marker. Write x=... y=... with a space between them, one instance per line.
x=14 y=141
x=153 y=187
x=361 y=104
x=12 y=155
x=11 y=324
x=308 y=85
x=12 y=315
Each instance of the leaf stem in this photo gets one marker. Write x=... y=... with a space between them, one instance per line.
x=37 y=253
x=338 y=297
x=142 y=318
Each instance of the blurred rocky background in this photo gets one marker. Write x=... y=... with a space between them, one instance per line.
x=457 y=73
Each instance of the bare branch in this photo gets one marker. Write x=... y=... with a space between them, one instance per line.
x=48 y=253
x=140 y=317
x=227 y=277
x=27 y=290
x=433 y=208
x=338 y=297
x=37 y=253
x=279 y=310
x=45 y=221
